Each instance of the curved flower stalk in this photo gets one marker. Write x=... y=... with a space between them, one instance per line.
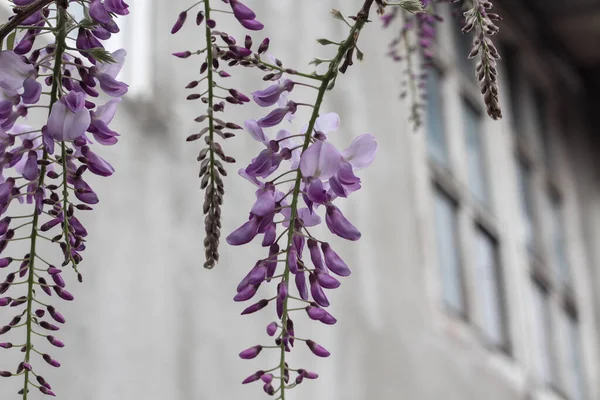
x=401 y=50
x=320 y=174
x=477 y=17
x=220 y=48
x=45 y=168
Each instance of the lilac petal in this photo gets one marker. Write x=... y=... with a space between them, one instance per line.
x=361 y=152
x=99 y=13
x=179 y=23
x=251 y=24
x=271 y=328
x=96 y=164
x=276 y=116
x=111 y=86
x=258 y=274
x=116 y=6
x=32 y=91
x=255 y=131
x=328 y=319
x=246 y=294
x=282 y=291
x=251 y=352
x=13 y=70
x=253 y=378
x=269 y=235
x=317 y=349
x=272 y=261
x=63 y=294
x=30 y=170
x=265 y=204
x=301 y=285
x=315 y=313
x=255 y=307
x=315 y=255
x=68 y=118
x=244 y=234
x=84 y=192
x=317 y=292
x=241 y=11
x=315 y=192
x=293 y=261
x=334 y=262
x=309 y=218
x=327 y=123
x=339 y=225
x=327 y=281
x=320 y=160
x=270 y=96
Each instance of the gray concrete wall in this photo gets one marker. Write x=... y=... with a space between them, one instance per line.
x=149 y=323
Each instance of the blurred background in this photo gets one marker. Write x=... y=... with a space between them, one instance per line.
x=476 y=274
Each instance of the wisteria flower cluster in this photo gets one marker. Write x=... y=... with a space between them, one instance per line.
x=220 y=48
x=423 y=24
x=44 y=169
x=319 y=175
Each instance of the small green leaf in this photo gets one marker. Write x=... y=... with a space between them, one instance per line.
x=359 y=54
x=325 y=42
x=10 y=41
x=412 y=6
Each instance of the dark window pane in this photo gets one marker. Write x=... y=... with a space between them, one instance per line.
x=525 y=196
x=447 y=251
x=559 y=242
x=541 y=333
x=489 y=286
x=436 y=139
x=475 y=155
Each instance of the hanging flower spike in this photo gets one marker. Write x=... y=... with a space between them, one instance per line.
x=46 y=166
x=220 y=48
x=320 y=174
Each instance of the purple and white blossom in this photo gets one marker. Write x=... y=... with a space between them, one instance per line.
x=45 y=167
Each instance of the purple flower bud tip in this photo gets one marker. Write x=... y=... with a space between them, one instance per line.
x=182 y=54
x=5 y=374
x=6 y=345
x=267 y=378
x=253 y=378
x=179 y=23
x=271 y=328
x=250 y=353
x=63 y=294
x=47 y=391
x=317 y=349
x=256 y=307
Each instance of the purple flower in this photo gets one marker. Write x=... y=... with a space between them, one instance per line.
x=97 y=164
x=179 y=23
x=245 y=15
x=317 y=349
x=339 y=225
x=13 y=70
x=320 y=160
x=334 y=262
x=100 y=120
x=69 y=119
x=106 y=74
x=251 y=352
x=270 y=95
x=277 y=115
x=271 y=328
x=244 y=234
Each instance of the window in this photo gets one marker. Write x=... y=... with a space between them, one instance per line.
x=135 y=36
x=490 y=289
x=575 y=378
x=436 y=139
x=558 y=242
x=509 y=55
x=526 y=200
x=448 y=258
x=542 y=326
x=475 y=156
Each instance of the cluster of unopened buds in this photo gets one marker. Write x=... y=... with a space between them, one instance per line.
x=43 y=181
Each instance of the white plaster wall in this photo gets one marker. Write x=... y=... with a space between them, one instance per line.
x=150 y=323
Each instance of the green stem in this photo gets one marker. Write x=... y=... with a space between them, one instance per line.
x=61 y=35
x=345 y=48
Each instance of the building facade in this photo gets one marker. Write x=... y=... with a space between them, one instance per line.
x=477 y=271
